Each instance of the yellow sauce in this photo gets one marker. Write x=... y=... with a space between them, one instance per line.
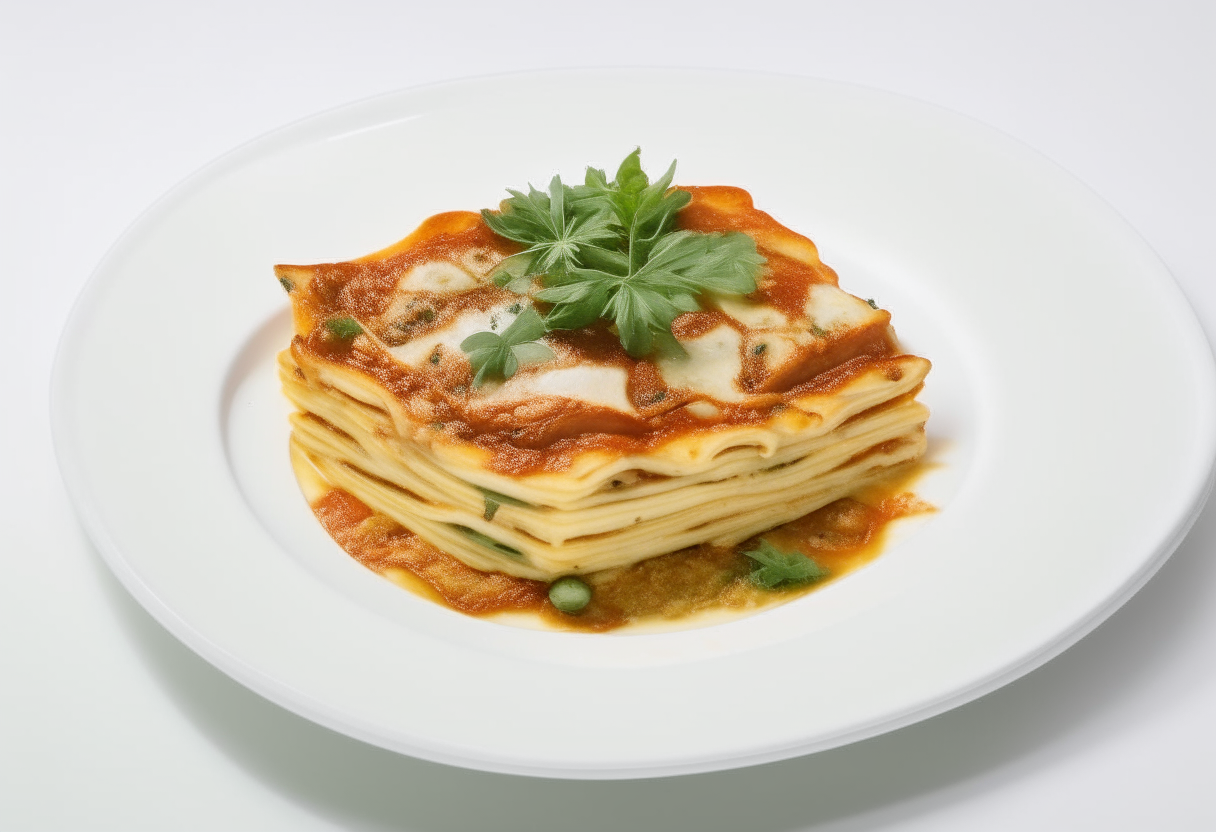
x=840 y=537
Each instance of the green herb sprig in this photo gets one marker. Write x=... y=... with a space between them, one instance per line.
x=499 y=356
x=609 y=250
x=554 y=235
x=643 y=300
x=778 y=569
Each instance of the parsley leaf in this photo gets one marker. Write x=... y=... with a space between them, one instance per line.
x=777 y=569
x=623 y=193
x=643 y=302
x=690 y=262
x=645 y=210
x=554 y=236
x=495 y=356
x=609 y=250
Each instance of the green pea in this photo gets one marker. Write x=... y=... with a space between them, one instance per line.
x=569 y=594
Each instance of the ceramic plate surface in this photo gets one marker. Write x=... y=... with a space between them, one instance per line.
x=1071 y=437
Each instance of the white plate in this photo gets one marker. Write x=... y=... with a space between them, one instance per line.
x=1073 y=395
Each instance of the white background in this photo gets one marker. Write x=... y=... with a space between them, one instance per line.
x=106 y=722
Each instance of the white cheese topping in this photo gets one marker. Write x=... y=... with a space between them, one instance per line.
x=703 y=410
x=437 y=276
x=751 y=315
x=419 y=350
x=712 y=365
x=592 y=384
x=780 y=349
x=831 y=308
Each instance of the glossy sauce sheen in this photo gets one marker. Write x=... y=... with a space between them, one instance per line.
x=841 y=537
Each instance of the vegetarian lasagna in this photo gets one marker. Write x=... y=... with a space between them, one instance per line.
x=587 y=382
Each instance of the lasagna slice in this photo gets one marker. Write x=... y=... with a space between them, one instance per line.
x=586 y=458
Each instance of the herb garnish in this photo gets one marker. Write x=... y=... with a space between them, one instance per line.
x=493 y=500
x=499 y=356
x=490 y=543
x=553 y=234
x=779 y=569
x=609 y=250
x=344 y=328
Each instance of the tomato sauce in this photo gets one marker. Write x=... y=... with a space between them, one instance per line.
x=840 y=537
x=556 y=431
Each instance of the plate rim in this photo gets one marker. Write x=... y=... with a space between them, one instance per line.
x=71 y=341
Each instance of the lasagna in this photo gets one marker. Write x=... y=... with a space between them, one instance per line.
x=581 y=457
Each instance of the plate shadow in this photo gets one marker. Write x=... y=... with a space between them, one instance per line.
x=1048 y=714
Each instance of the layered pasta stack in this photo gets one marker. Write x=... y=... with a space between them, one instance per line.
x=778 y=403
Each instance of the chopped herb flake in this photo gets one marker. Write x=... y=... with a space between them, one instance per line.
x=490 y=543
x=759 y=349
x=286 y=283
x=435 y=356
x=778 y=569
x=502 y=498
x=344 y=328
x=494 y=500
x=872 y=302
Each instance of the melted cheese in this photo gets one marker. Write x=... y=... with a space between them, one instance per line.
x=752 y=315
x=780 y=349
x=590 y=384
x=427 y=294
x=727 y=441
x=710 y=367
x=831 y=308
x=418 y=351
x=437 y=276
